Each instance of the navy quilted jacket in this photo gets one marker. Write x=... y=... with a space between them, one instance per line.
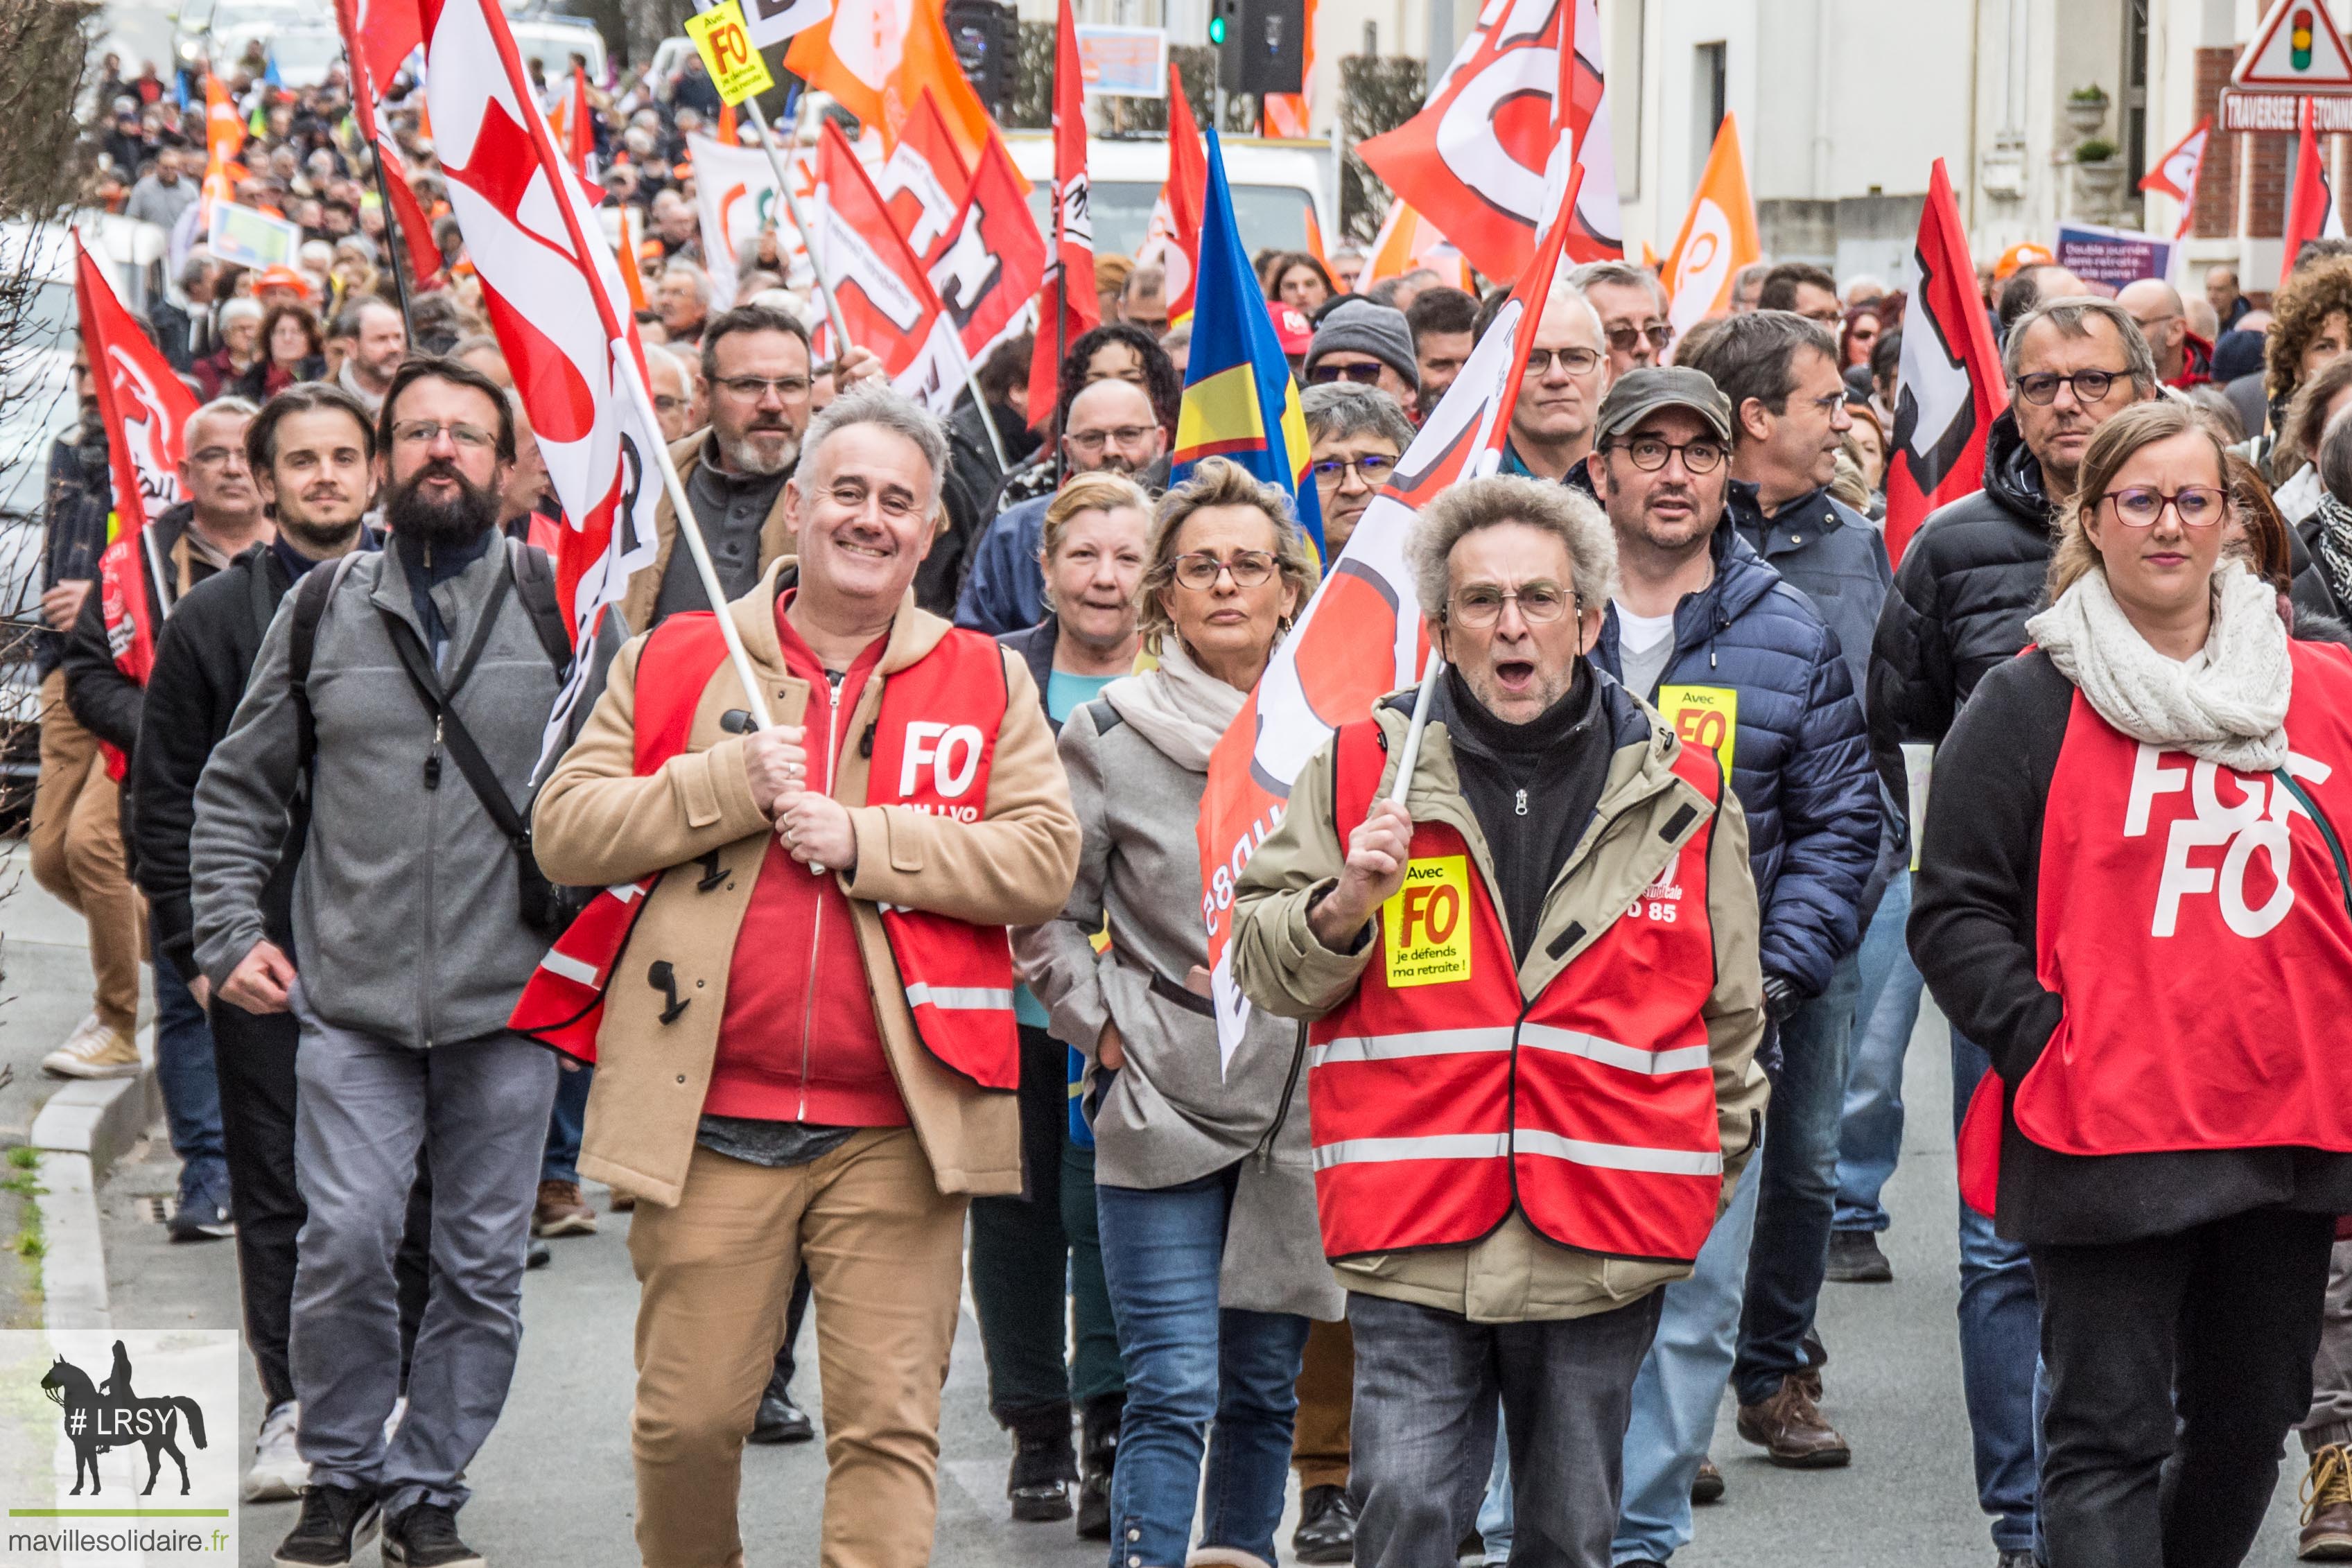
x=1800 y=753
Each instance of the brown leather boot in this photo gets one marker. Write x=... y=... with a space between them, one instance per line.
x=1790 y=1429
x=2328 y=1507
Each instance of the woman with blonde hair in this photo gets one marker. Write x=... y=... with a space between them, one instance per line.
x=1203 y=1179
x=2149 y=799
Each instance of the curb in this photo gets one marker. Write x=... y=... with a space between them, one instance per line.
x=80 y=1133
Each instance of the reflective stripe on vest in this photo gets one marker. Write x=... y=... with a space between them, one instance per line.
x=931 y=746
x=1439 y=1099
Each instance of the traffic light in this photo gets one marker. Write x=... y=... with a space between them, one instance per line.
x=986 y=36
x=1264 y=44
x=1224 y=34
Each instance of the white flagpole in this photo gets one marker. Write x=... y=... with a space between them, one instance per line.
x=1412 y=752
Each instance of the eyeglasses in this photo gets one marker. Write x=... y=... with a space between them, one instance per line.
x=752 y=388
x=1372 y=469
x=2196 y=506
x=1649 y=454
x=1541 y=603
x=666 y=402
x=1091 y=441
x=1324 y=373
x=1832 y=319
x=1625 y=340
x=1200 y=570
x=421 y=431
x=1576 y=361
x=2040 y=388
x=215 y=457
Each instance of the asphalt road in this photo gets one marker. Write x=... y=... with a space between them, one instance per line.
x=553 y=1486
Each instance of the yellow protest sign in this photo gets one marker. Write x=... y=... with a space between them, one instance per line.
x=725 y=43
x=1703 y=716
x=1427 y=924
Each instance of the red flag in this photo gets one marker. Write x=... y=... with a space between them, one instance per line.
x=554 y=297
x=1174 y=240
x=987 y=273
x=1066 y=311
x=1476 y=160
x=1361 y=635
x=415 y=226
x=579 y=131
x=1952 y=386
x=886 y=302
x=2176 y=175
x=147 y=408
x=2311 y=212
x=378 y=36
x=925 y=180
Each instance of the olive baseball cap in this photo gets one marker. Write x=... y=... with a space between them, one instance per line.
x=1641 y=392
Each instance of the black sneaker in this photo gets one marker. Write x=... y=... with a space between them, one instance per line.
x=335 y=1522
x=1327 y=1526
x=426 y=1537
x=1855 y=1259
x=779 y=1419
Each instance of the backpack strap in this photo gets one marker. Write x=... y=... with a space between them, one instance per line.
x=534 y=579
x=310 y=599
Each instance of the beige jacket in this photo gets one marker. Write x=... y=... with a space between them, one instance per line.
x=1515 y=1275
x=598 y=823
x=645 y=587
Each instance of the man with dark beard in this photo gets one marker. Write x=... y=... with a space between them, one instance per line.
x=409 y=686
x=309 y=450
x=756 y=361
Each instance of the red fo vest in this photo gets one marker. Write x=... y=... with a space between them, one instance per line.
x=931 y=748
x=1438 y=1097
x=2194 y=921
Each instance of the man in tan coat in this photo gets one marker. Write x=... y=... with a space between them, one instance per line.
x=807 y=1049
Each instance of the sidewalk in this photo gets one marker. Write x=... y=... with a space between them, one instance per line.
x=553 y=1485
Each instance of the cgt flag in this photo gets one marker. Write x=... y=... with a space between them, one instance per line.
x=555 y=299
x=1718 y=237
x=146 y=409
x=1240 y=401
x=2176 y=175
x=1361 y=636
x=1952 y=386
x=1476 y=160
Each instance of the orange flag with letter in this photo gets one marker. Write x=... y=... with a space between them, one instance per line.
x=878 y=56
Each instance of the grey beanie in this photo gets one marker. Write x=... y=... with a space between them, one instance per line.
x=1359 y=326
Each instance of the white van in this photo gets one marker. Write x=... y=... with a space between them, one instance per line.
x=1275 y=184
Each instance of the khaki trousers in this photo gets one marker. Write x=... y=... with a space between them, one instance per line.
x=76 y=843
x=1327 y=1400
x=884 y=1254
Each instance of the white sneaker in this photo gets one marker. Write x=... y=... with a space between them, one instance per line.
x=279 y=1472
x=93 y=1050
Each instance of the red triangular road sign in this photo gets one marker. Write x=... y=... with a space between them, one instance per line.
x=2298 y=50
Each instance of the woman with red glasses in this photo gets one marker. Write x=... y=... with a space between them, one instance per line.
x=2133 y=891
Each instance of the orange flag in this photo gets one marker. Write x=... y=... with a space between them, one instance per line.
x=885 y=59
x=1717 y=239
x=1408 y=242
x=631 y=277
x=726 y=125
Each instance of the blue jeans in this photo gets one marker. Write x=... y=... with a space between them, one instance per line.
x=1189 y=1361
x=1796 y=1178
x=567 y=1124
x=1680 y=1385
x=2001 y=1345
x=1870 y=1128
x=190 y=1082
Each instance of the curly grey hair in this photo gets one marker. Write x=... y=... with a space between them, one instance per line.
x=1510 y=498
x=878 y=403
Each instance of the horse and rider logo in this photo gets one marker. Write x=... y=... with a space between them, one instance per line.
x=111 y=1415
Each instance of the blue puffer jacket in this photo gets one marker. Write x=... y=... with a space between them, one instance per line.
x=1800 y=753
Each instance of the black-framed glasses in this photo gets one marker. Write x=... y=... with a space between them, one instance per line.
x=1091 y=441
x=1576 y=361
x=1649 y=453
x=752 y=388
x=1199 y=570
x=1324 y=373
x=1373 y=469
x=2040 y=388
x=2196 y=506
x=1481 y=604
x=1626 y=339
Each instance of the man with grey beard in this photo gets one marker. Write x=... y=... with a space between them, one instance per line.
x=755 y=360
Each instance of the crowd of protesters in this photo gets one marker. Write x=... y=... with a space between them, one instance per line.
x=1477 y=1261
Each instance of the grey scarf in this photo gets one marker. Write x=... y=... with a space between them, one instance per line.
x=1180 y=708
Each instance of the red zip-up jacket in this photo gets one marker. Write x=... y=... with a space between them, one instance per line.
x=798 y=1041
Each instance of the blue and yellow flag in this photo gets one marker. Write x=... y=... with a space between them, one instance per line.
x=1240 y=401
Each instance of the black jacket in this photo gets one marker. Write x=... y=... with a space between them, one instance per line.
x=202 y=659
x=1969 y=579
x=1973 y=918
x=973 y=479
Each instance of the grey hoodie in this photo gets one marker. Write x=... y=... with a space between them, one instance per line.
x=406 y=922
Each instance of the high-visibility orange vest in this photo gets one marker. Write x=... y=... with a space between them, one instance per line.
x=1439 y=1099
x=930 y=747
